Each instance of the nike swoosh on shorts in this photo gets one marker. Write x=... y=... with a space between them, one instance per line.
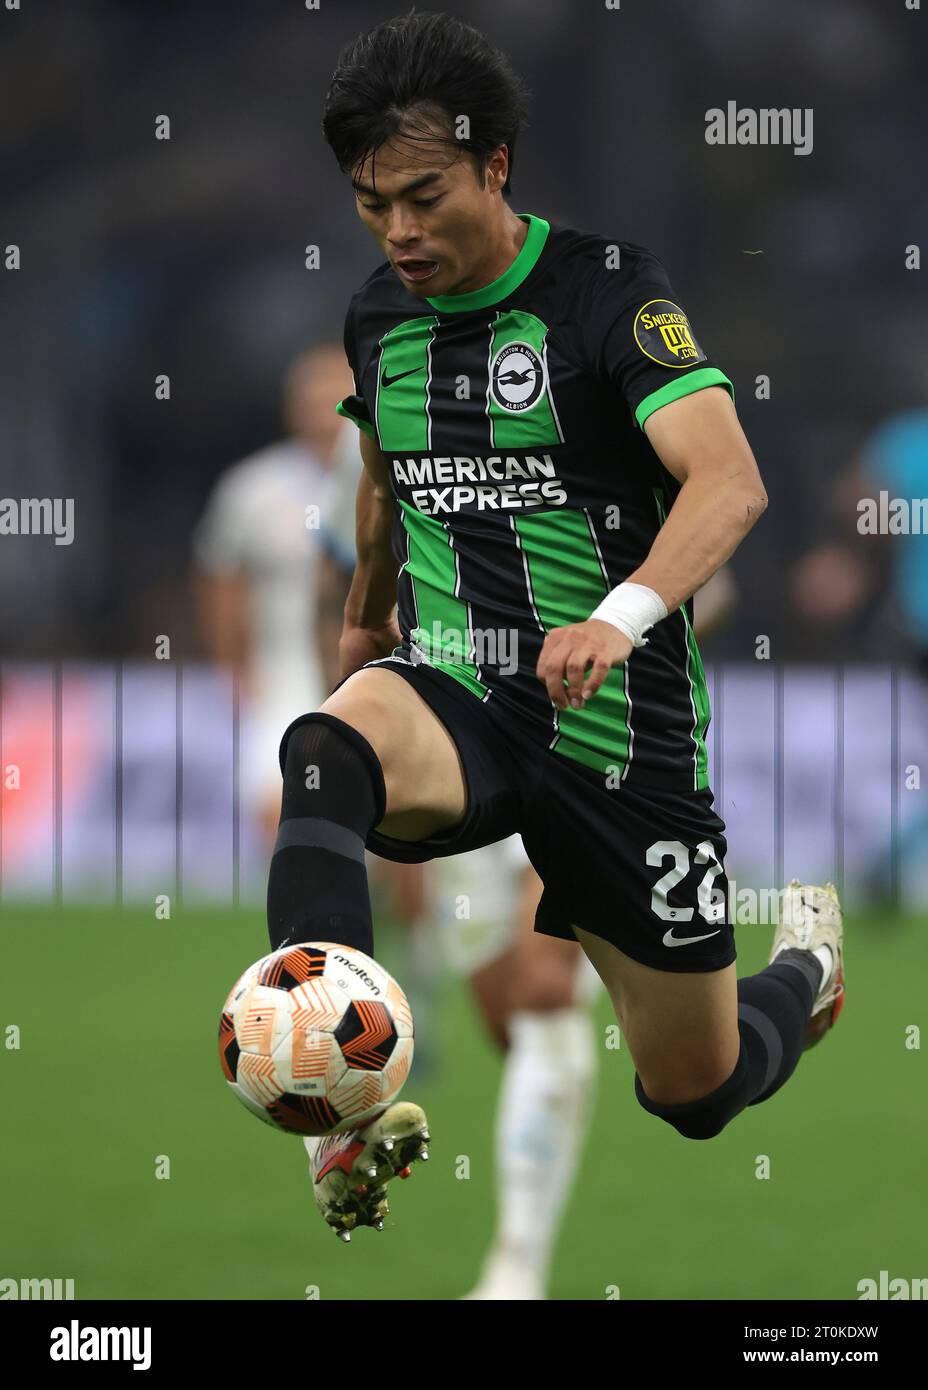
x=671 y=940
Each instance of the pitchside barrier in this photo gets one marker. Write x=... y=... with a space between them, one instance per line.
x=121 y=782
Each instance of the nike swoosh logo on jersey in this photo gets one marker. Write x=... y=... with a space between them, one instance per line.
x=389 y=380
x=671 y=940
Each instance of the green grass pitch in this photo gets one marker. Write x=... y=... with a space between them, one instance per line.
x=117 y=1065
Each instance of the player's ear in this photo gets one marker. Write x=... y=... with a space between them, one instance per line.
x=494 y=172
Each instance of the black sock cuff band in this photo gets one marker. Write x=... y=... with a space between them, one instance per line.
x=357 y=741
x=770 y=1037
x=316 y=833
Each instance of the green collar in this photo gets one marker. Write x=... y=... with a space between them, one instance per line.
x=510 y=279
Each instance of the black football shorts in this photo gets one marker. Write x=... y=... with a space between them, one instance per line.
x=643 y=868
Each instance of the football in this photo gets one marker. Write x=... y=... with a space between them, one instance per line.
x=315 y=1038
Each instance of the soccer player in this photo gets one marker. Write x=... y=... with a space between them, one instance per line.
x=553 y=467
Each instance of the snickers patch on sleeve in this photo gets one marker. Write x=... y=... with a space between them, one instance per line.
x=663 y=333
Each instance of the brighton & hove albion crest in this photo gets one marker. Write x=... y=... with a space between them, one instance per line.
x=517 y=377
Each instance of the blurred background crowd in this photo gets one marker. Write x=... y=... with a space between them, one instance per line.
x=186 y=257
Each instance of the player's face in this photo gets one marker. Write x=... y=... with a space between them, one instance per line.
x=430 y=215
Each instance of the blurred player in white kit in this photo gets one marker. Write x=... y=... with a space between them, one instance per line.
x=256 y=553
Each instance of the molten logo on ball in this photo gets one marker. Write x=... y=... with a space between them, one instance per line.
x=305 y=1047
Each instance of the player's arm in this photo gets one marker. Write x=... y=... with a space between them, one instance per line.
x=700 y=442
x=370 y=629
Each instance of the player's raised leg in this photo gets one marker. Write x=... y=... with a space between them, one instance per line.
x=706 y=1045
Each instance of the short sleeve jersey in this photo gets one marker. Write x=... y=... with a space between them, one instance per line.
x=525 y=488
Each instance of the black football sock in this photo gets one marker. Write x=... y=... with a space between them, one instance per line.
x=773 y=1010
x=774 y=1007
x=333 y=794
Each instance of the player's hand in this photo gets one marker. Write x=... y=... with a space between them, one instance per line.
x=570 y=652
x=358 y=645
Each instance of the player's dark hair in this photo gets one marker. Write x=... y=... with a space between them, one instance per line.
x=411 y=71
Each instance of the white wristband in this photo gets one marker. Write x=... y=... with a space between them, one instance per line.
x=633 y=609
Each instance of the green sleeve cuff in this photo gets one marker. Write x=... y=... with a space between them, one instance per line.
x=693 y=381
x=361 y=424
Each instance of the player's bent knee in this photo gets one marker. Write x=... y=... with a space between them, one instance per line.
x=681 y=1084
x=420 y=762
x=305 y=747
x=314 y=739
x=706 y=1116
x=374 y=718
x=386 y=710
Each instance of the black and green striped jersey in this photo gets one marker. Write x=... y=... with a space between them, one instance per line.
x=526 y=489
